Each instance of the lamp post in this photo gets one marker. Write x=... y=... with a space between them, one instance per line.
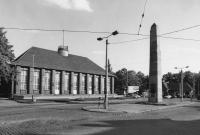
x=126 y=81
x=126 y=73
x=13 y=75
x=181 y=87
x=106 y=71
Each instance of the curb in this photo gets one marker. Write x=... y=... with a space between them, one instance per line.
x=162 y=108
x=88 y=108
x=172 y=106
x=95 y=109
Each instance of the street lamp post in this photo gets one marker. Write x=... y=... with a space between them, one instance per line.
x=181 y=87
x=13 y=81
x=126 y=81
x=106 y=71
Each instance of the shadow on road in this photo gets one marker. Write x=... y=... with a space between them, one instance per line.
x=148 y=127
x=196 y=107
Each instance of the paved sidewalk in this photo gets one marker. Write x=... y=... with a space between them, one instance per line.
x=4 y=102
x=135 y=108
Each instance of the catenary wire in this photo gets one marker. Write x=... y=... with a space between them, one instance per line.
x=128 y=41
x=96 y=32
x=179 y=30
x=57 y=30
x=189 y=39
x=141 y=21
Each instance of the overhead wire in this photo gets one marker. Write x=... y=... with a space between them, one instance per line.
x=128 y=41
x=189 y=39
x=141 y=21
x=56 y=30
x=122 y=33
x=161 y=35
x=96 y=32
x=179 y=30
x=133 y=34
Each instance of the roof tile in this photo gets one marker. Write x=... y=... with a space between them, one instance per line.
x=44 y=58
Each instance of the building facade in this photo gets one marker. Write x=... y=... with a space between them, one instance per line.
x=44 y=72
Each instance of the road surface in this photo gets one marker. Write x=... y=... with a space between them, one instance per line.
x=69 y=119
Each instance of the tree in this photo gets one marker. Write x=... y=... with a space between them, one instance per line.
x=121 y=81
x=188 y=82
x=133 y=78
x=171 y=83
x=6 y=56
x=173 y=80
x=139 y=79
x=197 y=83
x=143 y=82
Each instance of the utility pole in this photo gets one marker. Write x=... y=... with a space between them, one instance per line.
x=63 y=32
x=13 y=81
x=194 y=91
x=198 y=87
x=106 y=73
x=181 y=85
x=127 y=80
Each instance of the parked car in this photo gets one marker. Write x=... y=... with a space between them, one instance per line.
x=168 y=96
x=133 y=95
x=136 y=96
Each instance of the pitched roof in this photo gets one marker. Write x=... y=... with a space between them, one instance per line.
x=48 y=59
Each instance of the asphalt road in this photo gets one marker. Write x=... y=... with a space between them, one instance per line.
x=177 y=121
x=62 y=118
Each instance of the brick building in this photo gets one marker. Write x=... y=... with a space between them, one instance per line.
x=45 y=72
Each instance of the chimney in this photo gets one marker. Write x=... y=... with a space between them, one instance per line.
x=63 y=50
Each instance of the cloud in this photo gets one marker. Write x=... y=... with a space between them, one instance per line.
x=71 y=4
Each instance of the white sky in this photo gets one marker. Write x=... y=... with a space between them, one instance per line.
x=107 y=15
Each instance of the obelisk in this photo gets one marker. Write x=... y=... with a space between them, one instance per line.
x=155 y=78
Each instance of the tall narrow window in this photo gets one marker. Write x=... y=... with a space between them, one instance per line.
x=83 y=82
x=97 y=83
x=66 y=78
x=57 y=83
x=24 y=79
x=108 y=85
x=90 y=84
x=103 y=84
x=47 y=80
x=75 y=84
x=36 y=80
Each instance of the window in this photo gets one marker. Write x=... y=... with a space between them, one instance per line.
x=36 y=79
x=66 y=78
x=75 y=81
x=57 y=81
x=83 y=82
x=108 y=85
x=90 y=84
x=24 y=79
x=103 y=84
x=97 y=83
x=47 y=80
